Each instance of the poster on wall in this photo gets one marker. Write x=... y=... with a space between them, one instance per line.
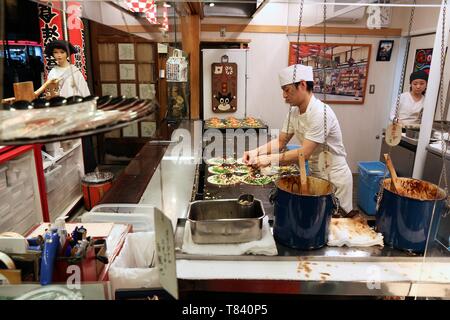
x=224 y=86
x=422 y=60
x=178 y=100
x=340 y=69
x=385 y=50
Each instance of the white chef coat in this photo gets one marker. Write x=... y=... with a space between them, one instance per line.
x=72 y=81
x=409 y=110
x=310 y=125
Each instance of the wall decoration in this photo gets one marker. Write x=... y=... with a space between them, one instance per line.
x=178 y=100
x=177 y=67
x=385 y=50
x=224 y=86
x=128 y=89
x=126 y=51
x=148 y=128
x=340 y=69
x=109 y=89
x=127 y=71
x=422 y=60
x=131 y=131
x=147 y=91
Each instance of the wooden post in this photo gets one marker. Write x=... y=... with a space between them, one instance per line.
x=190 y=34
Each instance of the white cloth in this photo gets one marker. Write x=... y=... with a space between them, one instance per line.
x=266 y=246
x=71 y=83
x=301 y=73
x=310 y=126
x=352 y=233
x=409 y=110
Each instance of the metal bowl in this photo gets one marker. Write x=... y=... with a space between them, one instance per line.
x=225 y=221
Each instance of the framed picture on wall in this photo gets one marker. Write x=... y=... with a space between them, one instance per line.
x=126 y=51
x=340 y=70
x=385 y=50
x=422 y=60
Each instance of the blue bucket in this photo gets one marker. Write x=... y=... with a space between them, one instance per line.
x=405 y=220
x=302 y=221
x=370 y=175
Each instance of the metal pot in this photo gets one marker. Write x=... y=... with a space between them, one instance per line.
x=412 y=133
x=404 y=219
x=302 y=221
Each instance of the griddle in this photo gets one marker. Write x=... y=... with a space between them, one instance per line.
x=262 y=193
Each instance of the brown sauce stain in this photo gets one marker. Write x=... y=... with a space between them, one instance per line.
x=415 y=189
x=316 y=186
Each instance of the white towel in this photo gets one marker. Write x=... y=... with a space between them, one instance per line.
x=352 y=232
x=266 y=246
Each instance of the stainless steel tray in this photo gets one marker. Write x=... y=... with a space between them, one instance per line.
x=225 y=221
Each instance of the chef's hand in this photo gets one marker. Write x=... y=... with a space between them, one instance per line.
x=249 y=157
x=263 y=161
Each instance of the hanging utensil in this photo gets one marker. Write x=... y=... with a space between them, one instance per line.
x=394 y=182
x=394 y=130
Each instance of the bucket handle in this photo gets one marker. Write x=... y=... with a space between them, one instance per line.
x=336 y=205
x=273 y=196
x=379 y=196
x=446 y=210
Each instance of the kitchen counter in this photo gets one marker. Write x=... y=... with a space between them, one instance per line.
x=436 y=148
x=330 y=271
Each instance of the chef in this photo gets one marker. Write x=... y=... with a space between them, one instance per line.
x=306 y=121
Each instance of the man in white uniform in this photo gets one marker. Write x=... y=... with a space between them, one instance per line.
x=306 y=122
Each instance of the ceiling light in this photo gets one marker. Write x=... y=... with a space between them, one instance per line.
x=167 y=5
x=212 y=4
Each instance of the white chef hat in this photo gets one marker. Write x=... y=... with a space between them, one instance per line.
x=302 y=73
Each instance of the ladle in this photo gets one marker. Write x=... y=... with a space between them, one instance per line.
x=394 y=183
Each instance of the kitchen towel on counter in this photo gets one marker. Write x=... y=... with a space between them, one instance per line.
x=352 y=232
x=266 y=246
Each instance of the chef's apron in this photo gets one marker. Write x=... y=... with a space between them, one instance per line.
x=340 y=175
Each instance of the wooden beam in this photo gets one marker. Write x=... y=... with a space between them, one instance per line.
x=197 y=8
x=240 y=28
x=138 y=28
x=190 y=39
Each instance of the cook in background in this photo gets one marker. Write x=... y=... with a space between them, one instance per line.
x=307 y=124
x=411 y=102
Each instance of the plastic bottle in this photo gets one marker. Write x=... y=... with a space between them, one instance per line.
x=62 y=232
x=51 y=246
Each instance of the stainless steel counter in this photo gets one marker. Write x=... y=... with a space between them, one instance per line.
x=171 y=186
x=339 y=271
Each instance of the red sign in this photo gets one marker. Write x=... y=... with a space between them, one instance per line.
x=75 y=28
x=51 y=26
